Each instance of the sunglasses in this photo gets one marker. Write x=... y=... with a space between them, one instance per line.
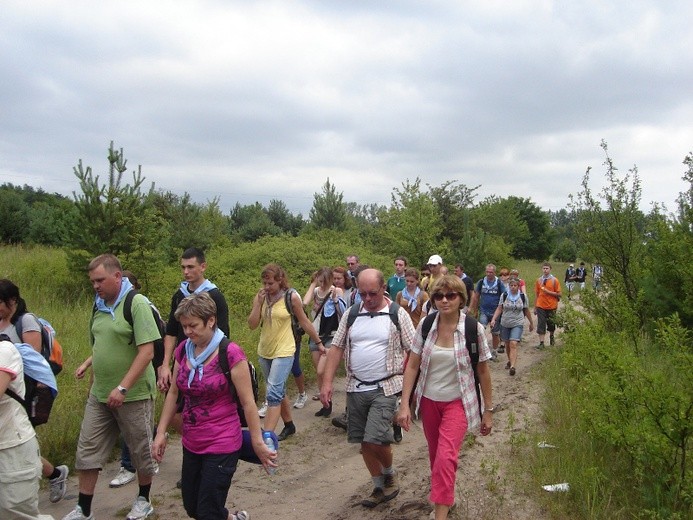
x=372 y=294
x=448 y=296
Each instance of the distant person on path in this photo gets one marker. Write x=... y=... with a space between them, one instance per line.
x=277 y=342
x=512 y=310
x=212 y=436
x=352 y=262
x=597 y=273
x=581 y=275
x=374 y=349
x=412 y=298
x=485 y=298
x=547 y=290
x=445 y=395
x=396 y=282
x=15 y=317
x=468 y=283
x=435 y=268
x=515 y=273
x=121 y=398
x=570 y=278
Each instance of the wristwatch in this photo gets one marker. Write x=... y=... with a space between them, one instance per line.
x=122 y=390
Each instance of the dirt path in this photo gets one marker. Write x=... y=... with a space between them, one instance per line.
x=321 y=476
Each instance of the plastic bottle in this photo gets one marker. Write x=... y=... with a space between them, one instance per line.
x=269 y=442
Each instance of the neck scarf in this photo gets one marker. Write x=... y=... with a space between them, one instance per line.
x=125 y=286
x=488 y=285
x=269 y=302
x=412 y=301
x=197 y=363
x=204 y=286
x=513 y=297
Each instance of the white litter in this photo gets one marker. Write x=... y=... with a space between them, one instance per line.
x=544 y=444
x=552 y=488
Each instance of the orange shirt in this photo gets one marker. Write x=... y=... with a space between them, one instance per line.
x=544 y=300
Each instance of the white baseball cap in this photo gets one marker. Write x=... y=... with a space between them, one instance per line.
x=434 y=260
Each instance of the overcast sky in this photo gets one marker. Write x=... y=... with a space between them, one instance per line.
x=253 y=101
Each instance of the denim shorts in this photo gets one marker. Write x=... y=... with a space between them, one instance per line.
x=276 y=372
x=485 y=319
x=512 y=333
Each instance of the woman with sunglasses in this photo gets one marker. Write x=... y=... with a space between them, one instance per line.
x=513 y=308
x=445 y=394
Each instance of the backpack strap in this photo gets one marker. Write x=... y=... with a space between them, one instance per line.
x=393 y=312
x=427 y=324
x=127 y=306
x=224 y=365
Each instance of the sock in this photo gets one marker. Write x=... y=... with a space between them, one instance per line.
x=378 y=482
x=144 y=491
x=388 y=471
x=55 y=474
x=289 y=425
x=84 y=502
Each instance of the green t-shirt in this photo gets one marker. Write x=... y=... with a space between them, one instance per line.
x=115 y=348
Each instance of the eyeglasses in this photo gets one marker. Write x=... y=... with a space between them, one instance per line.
x=448 y=296
x=365 y=295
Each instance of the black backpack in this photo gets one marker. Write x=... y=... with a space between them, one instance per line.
x=295 y=325
x=38 y=399
x=471 y=339
x=224 y=365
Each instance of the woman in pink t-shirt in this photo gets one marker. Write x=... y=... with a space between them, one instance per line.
x=211 y=434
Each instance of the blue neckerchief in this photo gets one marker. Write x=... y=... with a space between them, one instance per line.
x=197 y=363
x=125 y=286
x=412 y=301
x=545 y=279
x=36 y=366
x=513 y=297
x=489 y=287
x=204 y=286
x=330 y=307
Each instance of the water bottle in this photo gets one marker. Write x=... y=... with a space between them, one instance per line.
x=269 y=442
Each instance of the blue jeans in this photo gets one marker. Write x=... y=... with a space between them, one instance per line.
x=276 y=372
x=296 y=367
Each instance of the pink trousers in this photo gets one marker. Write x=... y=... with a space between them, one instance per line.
x=445 y=425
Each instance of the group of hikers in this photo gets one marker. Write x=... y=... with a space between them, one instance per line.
x=409 y=343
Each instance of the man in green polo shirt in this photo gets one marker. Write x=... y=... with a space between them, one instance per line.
x=121 y=399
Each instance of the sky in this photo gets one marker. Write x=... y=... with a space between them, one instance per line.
x=254 y=101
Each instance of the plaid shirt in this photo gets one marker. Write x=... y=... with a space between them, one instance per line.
x=398 y=342
x=465 y=374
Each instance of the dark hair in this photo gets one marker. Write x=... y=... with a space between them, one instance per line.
x=193 y=252
x=411 y=272
x=347 y=281
x=133 y=279
x=9 y=292
x=404 y=259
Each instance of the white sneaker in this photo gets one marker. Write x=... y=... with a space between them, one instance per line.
x=58 y=485
x=240 y=515
x=76 y=514
x=123 y=477
x=301 y=400
x=263 y=410
x=140 y=509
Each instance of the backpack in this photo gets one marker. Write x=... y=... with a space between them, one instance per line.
x=471 y=340
x=224 y=364
x=295 y=325
x=158 y=358
x=50 y=347
x=38 y=398
x=505 y=295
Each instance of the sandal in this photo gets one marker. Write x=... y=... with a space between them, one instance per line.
x=512 y=371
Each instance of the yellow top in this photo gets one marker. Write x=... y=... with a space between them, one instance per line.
x=276 y=336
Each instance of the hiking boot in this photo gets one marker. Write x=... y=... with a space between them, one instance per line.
x=540 y=346
x=240 y=515
x=552 y=341
x=301 y=400
x=76 y=514
x=142 y=508
x=391 y=487
x=501 y=349
x=286 y=432
x=324 y=411
x=375 y=498
x=397 y=433
x=123 y=477
x=58 y=485
x=512 y=371
x=340 y=421
x=507 y=365
x=263 y=410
